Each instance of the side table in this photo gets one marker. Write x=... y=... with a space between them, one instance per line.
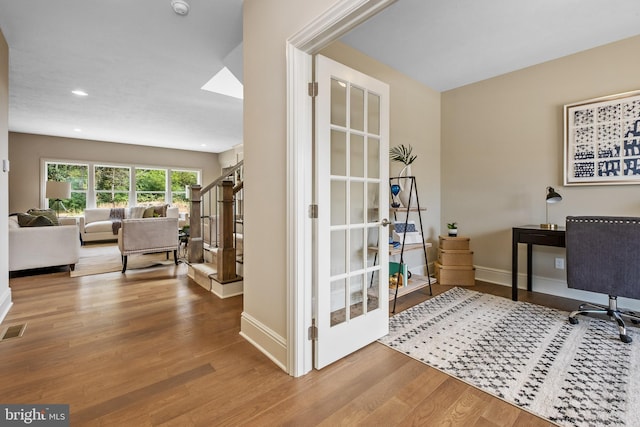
x=531 y=235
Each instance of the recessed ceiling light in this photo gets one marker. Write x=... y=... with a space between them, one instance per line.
x=79 y=92
x=78 y=130
x=203 y=145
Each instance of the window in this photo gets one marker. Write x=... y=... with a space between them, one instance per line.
x=119 y=185
x=78 y=175
x=180 y=179
x=151 y=186
x=112 y=186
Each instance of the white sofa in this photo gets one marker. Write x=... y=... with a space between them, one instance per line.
x=96 y=226
x=38 y=247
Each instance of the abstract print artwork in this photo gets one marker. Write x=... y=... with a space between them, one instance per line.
x=602 y=140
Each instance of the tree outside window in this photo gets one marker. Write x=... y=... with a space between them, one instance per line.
x=112 y=186
x=179 y=181
x=78 y=175
x=151 y=186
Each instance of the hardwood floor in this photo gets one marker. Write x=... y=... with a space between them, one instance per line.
x=153 y=348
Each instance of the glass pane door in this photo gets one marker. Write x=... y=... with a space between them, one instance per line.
x=352 y=194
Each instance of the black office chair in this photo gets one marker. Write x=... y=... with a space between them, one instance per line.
x=603 y=256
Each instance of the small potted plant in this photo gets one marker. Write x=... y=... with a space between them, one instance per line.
x=453 y=229
x=403 y=154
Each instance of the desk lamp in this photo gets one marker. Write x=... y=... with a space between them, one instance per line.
x=58 y=191
x=552 y=197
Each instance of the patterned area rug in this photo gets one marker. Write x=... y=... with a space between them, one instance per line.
x=528 y=355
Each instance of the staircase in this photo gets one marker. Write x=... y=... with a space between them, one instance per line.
x=215 y=250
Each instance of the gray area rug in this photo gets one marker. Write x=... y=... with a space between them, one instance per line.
x=528 y=355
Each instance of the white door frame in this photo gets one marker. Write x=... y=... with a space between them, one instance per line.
x=331 y=25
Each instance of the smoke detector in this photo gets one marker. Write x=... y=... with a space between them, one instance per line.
x=180 y=7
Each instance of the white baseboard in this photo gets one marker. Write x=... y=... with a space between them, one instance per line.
x=551 y=286
x=264 y=339
x=227 y=290
x=5 y=304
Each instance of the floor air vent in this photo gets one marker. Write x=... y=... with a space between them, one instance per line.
x=14 y=331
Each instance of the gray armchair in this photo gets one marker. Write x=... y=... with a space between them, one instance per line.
x=603 y=255
x=148 y=235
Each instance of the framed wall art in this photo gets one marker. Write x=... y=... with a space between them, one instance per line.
x=602 y=140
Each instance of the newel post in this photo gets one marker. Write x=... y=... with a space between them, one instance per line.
x=196 y=249
x=226 y=257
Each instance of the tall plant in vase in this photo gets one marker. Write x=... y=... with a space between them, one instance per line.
x=403 y=154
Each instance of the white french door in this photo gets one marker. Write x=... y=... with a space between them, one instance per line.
x=352 y=192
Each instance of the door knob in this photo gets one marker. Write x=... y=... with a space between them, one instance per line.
x=385 y=222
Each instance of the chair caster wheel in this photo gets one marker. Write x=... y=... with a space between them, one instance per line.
x=573 y=320
x=635 y=322
x=625 y=338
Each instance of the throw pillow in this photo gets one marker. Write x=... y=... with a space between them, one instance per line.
x=137 y=211
x=27 y=220
x=49 y=213
x=24 y=219
x=148 y=212
x=160 y=210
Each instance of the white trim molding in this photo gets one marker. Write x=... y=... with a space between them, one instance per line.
x=335 y=22
x=5 y=303
x=300 y=226
x=264 y=339
x=550 y=286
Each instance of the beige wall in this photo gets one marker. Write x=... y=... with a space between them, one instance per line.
x=27 y=150
x=5 y=292
x=230 y=157
x=267 y=24
x=502 y=145
x=415 y=121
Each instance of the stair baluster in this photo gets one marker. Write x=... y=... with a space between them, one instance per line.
x=222 y=215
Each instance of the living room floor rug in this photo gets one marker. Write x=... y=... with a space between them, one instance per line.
x=105 y=258
x=527 y=355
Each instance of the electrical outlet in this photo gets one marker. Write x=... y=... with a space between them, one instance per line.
x=560 y=263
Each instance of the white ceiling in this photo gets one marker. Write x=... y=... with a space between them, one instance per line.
x=143 y=65
x=448 y=44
